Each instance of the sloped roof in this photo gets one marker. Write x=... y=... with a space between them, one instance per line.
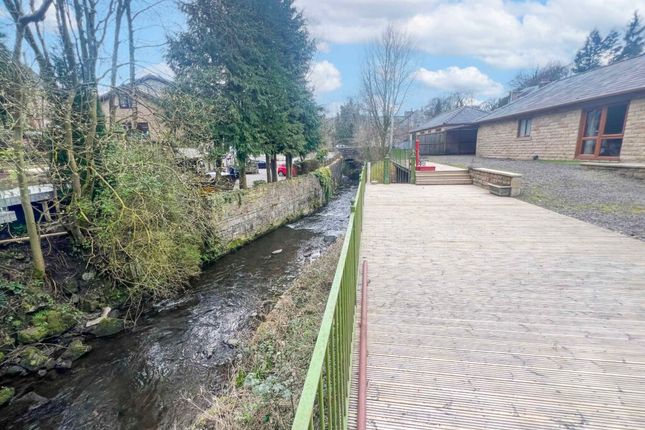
x=623 y=77
x=459 y=116
x=147 y=86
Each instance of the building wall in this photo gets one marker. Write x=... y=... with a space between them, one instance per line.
x=633 y=148
x=554 y=136
x=146 y=112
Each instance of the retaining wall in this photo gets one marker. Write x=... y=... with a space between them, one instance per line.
x=240 y=216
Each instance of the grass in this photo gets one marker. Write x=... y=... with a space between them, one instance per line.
x=268 y=377
x=376 y=173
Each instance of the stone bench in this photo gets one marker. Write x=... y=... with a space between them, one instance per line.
x=498 y=182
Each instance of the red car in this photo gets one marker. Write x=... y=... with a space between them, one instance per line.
x=282 y=170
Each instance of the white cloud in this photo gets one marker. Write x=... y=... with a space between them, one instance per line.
x=323 y=47
x=324 y=77
x=469 y=80
x=503 y=33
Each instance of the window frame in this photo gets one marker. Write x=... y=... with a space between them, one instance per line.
x=601 y=131
x=130 y=104
x=521 y=130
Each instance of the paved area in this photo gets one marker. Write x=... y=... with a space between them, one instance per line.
x=606 y=199
x=491 y=313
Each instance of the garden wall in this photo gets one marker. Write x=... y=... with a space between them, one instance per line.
x=242 y=215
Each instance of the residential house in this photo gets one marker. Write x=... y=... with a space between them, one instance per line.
x=449 y=133
x=597 y=115
x=149 y=90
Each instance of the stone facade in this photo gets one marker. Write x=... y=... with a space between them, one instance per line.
x=554 y=136
x=243 y=215
x=633 y=148
x=147 y=112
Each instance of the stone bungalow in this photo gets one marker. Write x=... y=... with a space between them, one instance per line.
x=598 y=115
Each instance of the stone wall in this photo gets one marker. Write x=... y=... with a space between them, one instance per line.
x=553 y=137
x=242 y=215
x=484 y=177
x=633 y=148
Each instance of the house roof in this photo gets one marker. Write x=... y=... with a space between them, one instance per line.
x=623 y=77
x=147 y=86
x=459 y=116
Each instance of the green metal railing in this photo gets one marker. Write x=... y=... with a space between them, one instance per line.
x=324 y=401
x=404 y=158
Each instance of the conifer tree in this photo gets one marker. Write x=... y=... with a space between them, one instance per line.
x=634 y=42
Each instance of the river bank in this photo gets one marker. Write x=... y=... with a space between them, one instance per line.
x=119 y=363
x=269 y=373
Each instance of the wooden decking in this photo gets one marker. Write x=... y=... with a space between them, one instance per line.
x=490 y=313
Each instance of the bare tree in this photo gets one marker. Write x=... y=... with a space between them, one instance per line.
x=17 y=109
x=386 y=79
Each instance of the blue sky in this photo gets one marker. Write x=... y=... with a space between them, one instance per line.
x=473 y=46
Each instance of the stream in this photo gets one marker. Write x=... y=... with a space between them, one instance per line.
x=162 y=372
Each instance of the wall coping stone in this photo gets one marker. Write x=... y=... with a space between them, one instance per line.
x=497 y=172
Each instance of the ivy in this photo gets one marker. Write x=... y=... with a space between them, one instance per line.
x=326 y=182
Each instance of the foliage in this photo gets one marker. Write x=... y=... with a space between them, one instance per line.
x=347 y=123
x=147 y=220
x=321 y=155
x=324 y=176
x=540 y=75
x=634 y=42
x=251 y=57
x=596 y=51
x=446 y=103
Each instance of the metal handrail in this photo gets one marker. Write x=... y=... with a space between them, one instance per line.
x=324 y=402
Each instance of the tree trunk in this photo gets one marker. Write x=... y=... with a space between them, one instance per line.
x=115 y=57
x=133 y=88
x=18 y=114
x=274 y=168
x=242 y=170
x=268 y=167
x=289 y=163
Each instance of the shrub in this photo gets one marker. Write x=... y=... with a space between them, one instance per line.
x=326 y=182
x=146 y=219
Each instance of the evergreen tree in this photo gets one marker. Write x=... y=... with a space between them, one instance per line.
x=252 y=57
x=590 y=55
x=346 y=123
x=634 y=43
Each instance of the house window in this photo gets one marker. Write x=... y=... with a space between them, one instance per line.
x=524 y=127
x=126 y=102
x=143 y=128
x=601 y=132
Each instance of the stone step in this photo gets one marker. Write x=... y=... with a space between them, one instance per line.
x=443 y=173
x=445 y=181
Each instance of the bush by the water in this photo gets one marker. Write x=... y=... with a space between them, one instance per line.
x=147 y=220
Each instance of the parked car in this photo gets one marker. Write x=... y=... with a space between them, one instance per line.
x=262 y=164
x=282 y=170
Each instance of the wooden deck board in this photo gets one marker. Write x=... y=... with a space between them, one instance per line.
x=491 y=313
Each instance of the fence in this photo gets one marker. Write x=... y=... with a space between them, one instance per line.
x=403 y=160
x=324 y=401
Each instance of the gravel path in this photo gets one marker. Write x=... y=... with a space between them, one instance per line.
x=606 y=199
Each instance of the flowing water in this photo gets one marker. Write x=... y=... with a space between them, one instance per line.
x=159 y=374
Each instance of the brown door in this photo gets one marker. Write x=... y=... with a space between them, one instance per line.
x=601 y=132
